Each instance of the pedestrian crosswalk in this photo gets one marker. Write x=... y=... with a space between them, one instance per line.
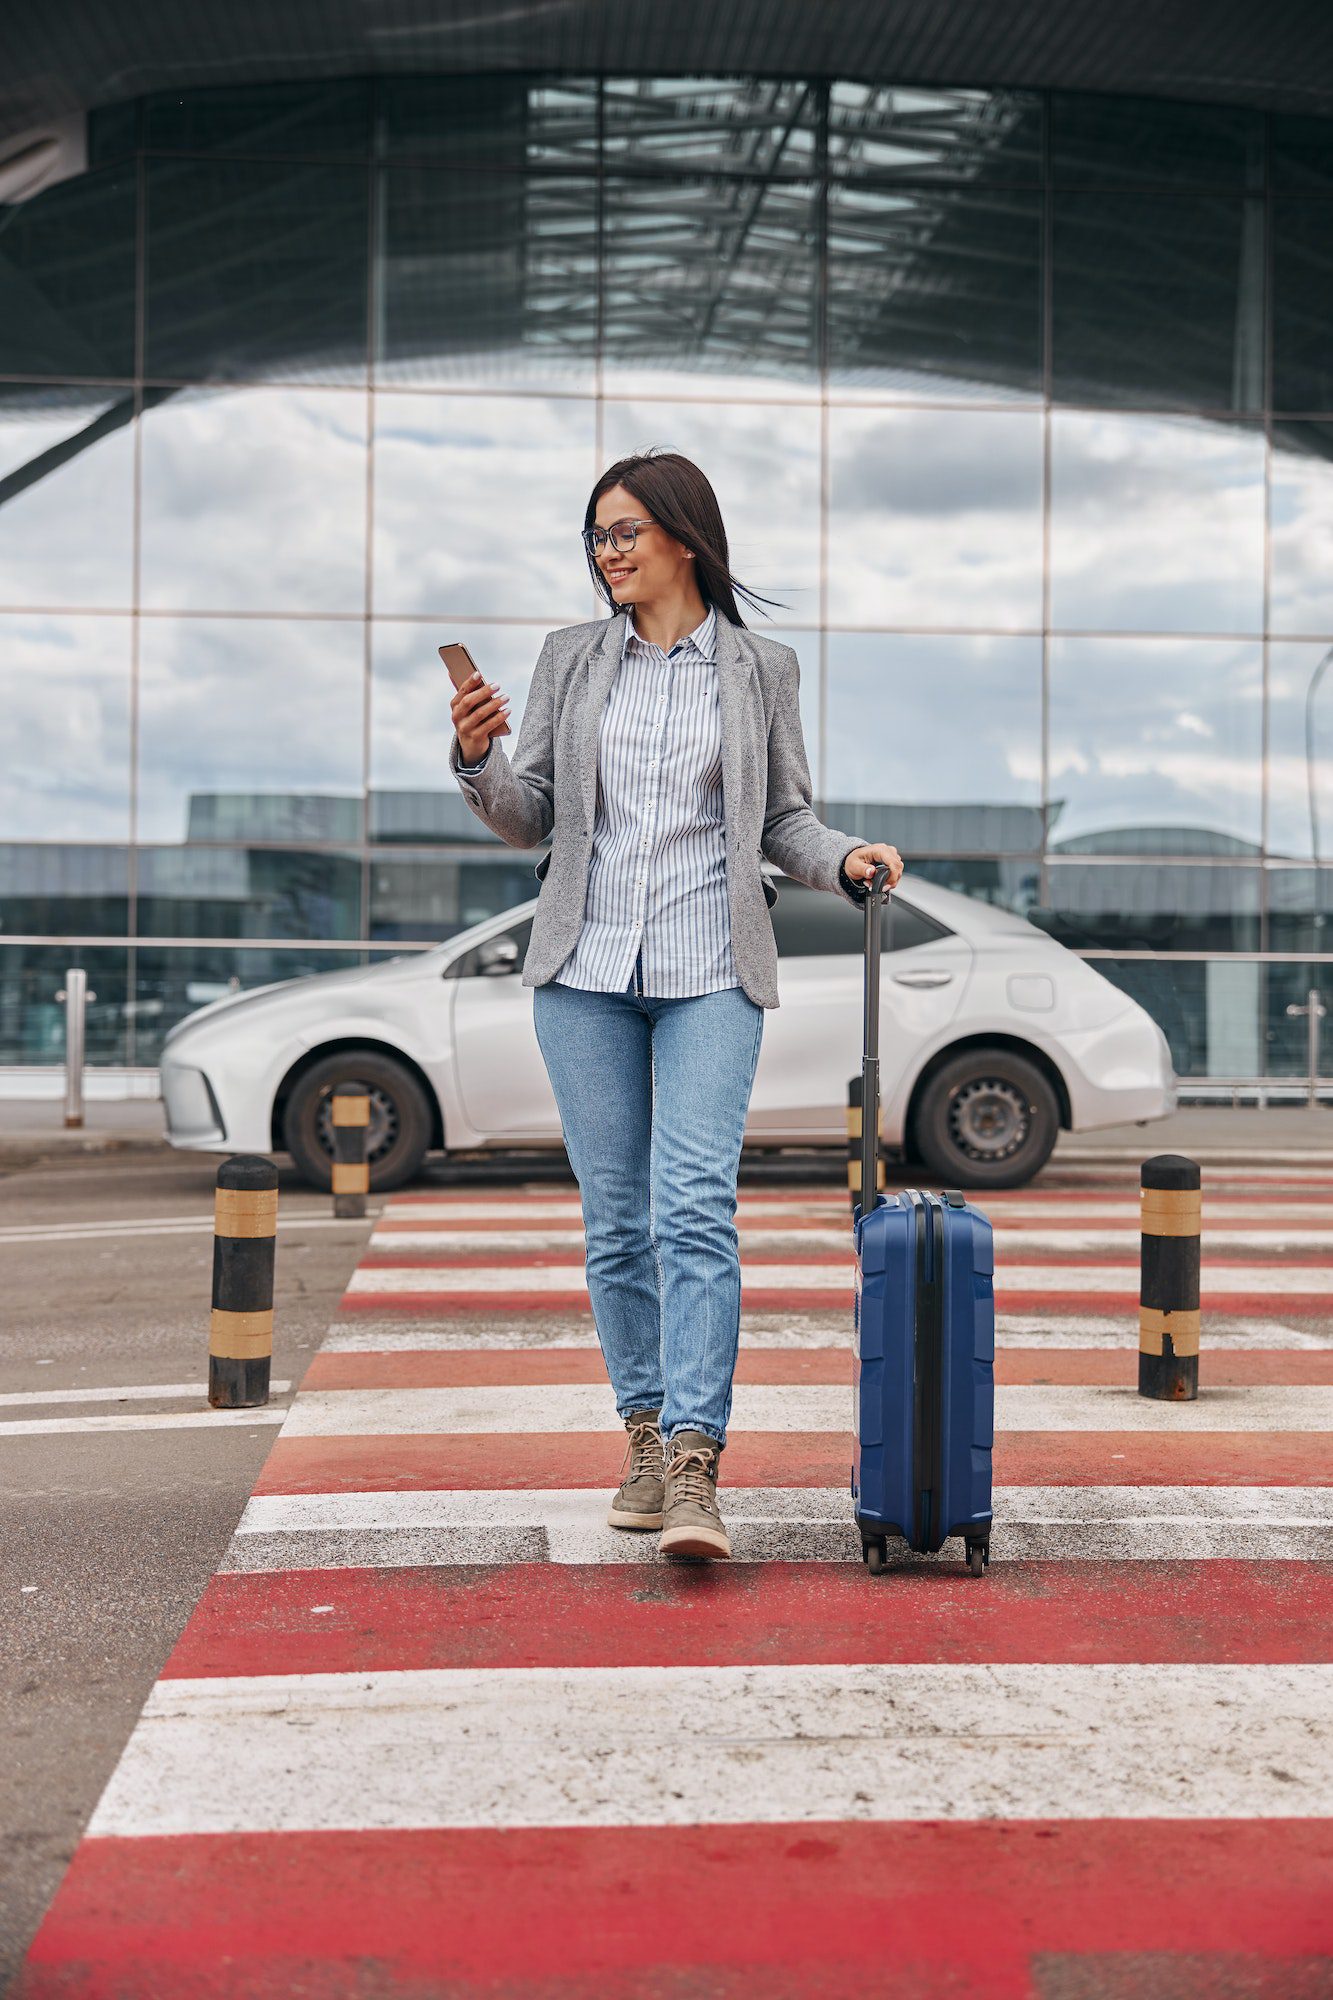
x=434 y=1728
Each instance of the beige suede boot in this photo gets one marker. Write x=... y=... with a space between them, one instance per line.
x=638 y=1504
x=691 y=1523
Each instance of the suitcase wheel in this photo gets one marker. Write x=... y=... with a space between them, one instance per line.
x=874 y=1553
x=978 y=1557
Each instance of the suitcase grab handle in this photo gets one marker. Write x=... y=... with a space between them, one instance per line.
x=876 y=884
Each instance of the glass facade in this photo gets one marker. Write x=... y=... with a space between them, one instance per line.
x=1019 y=406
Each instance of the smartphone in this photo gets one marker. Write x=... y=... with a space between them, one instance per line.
x=461 y=667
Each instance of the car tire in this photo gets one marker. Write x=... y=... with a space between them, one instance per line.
x=988 y=1118
x=399 y=1134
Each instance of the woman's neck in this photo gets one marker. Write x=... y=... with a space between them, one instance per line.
x=665 y=621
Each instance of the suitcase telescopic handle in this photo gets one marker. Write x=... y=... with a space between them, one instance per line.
x=876 y=886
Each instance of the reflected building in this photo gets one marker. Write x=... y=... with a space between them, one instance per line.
x=1019 y=404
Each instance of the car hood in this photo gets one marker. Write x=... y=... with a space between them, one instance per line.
x=390 y=970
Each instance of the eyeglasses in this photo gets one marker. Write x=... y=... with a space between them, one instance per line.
x=622 y=536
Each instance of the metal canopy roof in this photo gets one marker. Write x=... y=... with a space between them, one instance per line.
x=68 y=56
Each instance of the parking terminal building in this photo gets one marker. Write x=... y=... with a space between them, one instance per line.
x=1009 y=352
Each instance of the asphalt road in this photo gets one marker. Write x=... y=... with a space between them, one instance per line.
x=107 y=1538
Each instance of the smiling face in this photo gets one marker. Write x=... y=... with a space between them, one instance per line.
x=655 y=567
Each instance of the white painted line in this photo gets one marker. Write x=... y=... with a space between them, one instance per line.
x=1033 y=1523
x=1217 y=1237
x=1058 y=1330
x=175 y=1420
x=406 y=1281
x=679 y=1746
x=579 y=1406
x=180 y=1225
x=145 y=1392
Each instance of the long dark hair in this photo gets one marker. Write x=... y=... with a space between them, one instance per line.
x=679 y=496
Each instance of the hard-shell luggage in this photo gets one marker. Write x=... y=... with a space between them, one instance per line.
x=925 y=1341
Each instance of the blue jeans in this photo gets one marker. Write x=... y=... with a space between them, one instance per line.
x=652 y=1095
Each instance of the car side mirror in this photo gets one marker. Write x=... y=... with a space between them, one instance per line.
x=497 y=956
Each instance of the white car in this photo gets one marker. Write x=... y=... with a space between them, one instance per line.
x=992 y=1037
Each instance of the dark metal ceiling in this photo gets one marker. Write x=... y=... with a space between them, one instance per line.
x=67 y=56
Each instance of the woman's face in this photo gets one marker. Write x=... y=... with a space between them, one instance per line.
x=653 y=567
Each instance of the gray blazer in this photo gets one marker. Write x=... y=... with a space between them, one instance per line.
x=550 y=788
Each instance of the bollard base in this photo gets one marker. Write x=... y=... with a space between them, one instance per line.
x=1169 y=1377
x=237 y=1384
x=350 y=1206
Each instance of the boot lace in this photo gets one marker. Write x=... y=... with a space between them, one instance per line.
x=692 y=1477
x=643 y=1453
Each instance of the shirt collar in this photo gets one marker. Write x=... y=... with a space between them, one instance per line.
x=704 y=634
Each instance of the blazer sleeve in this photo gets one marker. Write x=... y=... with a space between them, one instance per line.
x=795 y=839
x=516 y=799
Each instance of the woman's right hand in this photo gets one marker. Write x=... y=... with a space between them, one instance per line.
x=479 y=712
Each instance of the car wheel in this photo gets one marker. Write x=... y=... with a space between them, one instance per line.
x=988 y=1118
x=399 y=1134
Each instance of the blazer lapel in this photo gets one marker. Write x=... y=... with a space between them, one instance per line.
x=603 y=659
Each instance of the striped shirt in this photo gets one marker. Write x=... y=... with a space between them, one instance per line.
x=657 y=875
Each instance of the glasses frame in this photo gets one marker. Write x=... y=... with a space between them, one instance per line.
x=595 y=538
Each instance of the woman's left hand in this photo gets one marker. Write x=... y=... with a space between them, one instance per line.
x=862 y=862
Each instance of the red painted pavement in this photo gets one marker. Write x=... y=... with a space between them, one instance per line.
x=775 y=1613
x=527 y=1460
x=759 y=1298
x=997 y=1910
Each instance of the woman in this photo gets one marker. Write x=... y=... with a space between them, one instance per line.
x=661 y=749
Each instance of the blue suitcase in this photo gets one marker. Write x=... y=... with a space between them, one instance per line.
x=925 y=1342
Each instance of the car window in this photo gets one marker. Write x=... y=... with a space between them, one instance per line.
x=469 y=966
x=812 y=923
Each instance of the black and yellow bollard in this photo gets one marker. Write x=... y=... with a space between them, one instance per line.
x=1170 y=1202
x=245 y=1226
x=350 y=1105
x=854 y=1095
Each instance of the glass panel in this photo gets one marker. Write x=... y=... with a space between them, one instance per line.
x=113 y=131
x=1157 y=523
x=1301 y=517
x=1130 y=906
x=255 y=271
x=1210 y=1010
x=763 y=464
x=809 y=923
x=892 y=744
x=227 y=746
x=710 y=286
x=414 y=897
x=1008 y=881
x=255 y=499
x=934 y=293
x=935 y=517
x=67 y=278
x=502 y=123
x=1302 y=305
x=1300 y=751
x=414 y=795
x=1155 y=746
x=51 y=888
x=886 y=132
x=66 y=497
x=704 y=124
x=487 y=281
x=32 y=1020
x=172 y=981
x=65 y=695
x=1288 y=990
x=479 y=502
x=1300 y=913
x=319 y=116
x=1116 y=141
x=1158 y=299
x=226 y=892
x=1301 y=153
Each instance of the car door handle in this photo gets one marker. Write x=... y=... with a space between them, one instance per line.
x=937 y=976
